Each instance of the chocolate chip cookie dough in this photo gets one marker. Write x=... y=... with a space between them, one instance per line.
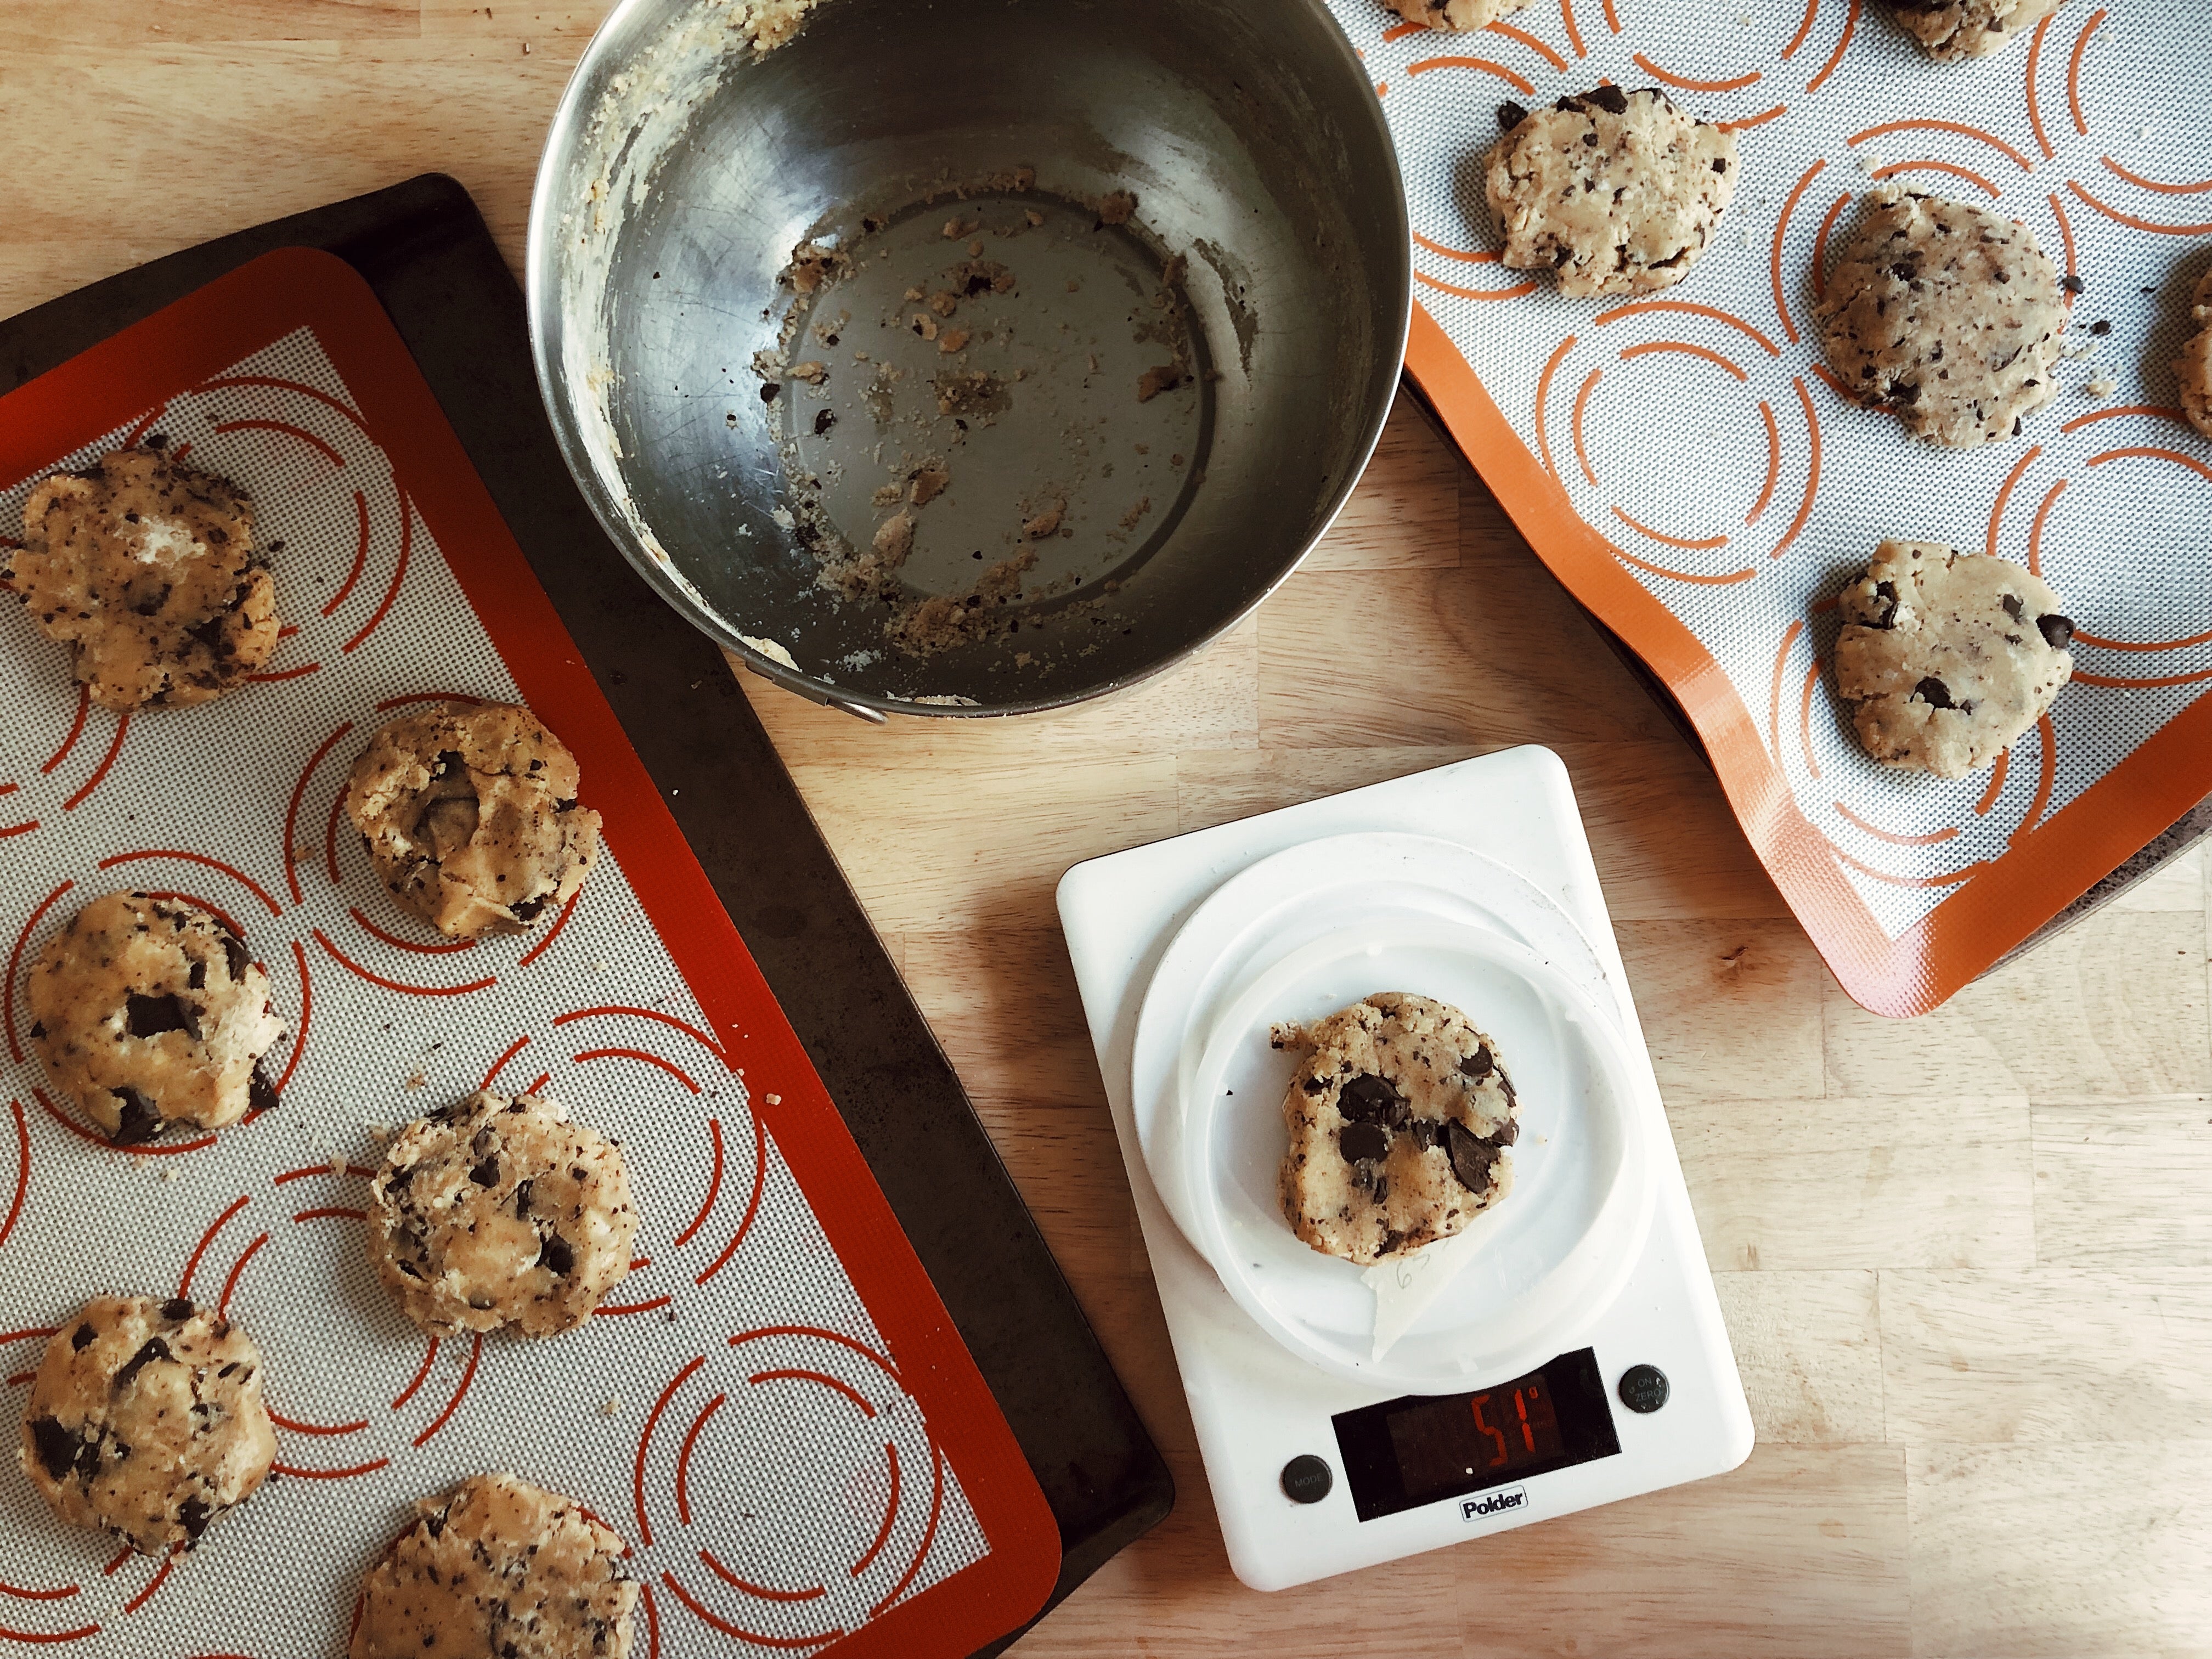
x=1950 y=30
x=498 y=1211
x=1454 y=15
x=145 y=1419
x=1946 y=657
x=149 y=1011
x=2192 y=370
x=498 y=1569
x=469 y=815
x=1947 y=315
x=148 y=572
x=1399 y=1118
x=1613 y=192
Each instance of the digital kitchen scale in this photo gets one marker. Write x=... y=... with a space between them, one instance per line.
x=1565 y=1350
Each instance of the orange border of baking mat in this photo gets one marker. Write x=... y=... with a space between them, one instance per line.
x=258 y=305
x=2043 y=869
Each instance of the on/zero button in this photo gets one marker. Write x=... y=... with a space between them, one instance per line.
x=1644 y=1387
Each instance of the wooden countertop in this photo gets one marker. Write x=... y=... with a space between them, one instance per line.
x=1967 y=1261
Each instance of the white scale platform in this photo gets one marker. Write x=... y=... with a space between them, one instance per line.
x=1256 y=1403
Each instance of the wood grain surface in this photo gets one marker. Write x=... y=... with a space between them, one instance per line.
x=1967 y=1261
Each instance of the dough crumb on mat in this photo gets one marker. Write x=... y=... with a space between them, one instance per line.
x=1946 y=658
x=1612 y=192
x=145 y=1420
x=500 y=1211
x=149 y=573
x=1947 y=315
x=1399 y=1117
x=149 y=1011
x=1952 y=30
x=498 y=1569
x=469 y=815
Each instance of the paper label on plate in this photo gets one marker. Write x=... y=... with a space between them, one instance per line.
x=1405 y=1285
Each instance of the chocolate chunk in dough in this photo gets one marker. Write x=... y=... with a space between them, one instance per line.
x=498 y=1569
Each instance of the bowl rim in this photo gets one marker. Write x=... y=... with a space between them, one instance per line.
x=541 y=303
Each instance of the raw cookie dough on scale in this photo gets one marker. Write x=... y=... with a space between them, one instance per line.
x=1398 y=1116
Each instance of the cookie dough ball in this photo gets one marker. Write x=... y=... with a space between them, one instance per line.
x=1950 y=30
x=498 y=1211
x=145 y=1420
x=1454 y=15
x=498 y=1569
x=1399 y=1117
x=470 y=817
x=1945 y=657
x=148 y=1012
x=1947 y=315
x=147 y=571
x=1615 y=192
x=2192 y=370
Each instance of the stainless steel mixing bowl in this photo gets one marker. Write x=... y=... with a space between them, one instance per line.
x=682 y=170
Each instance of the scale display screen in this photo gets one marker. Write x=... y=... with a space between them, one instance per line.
x=1422 y=1449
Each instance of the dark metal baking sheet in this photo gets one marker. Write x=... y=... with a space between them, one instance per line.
x=424 y=249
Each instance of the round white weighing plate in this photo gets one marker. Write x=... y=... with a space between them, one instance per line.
x=1319 y=926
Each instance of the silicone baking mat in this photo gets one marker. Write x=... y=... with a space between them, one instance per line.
x=774 y=1408
x=1680 y=461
